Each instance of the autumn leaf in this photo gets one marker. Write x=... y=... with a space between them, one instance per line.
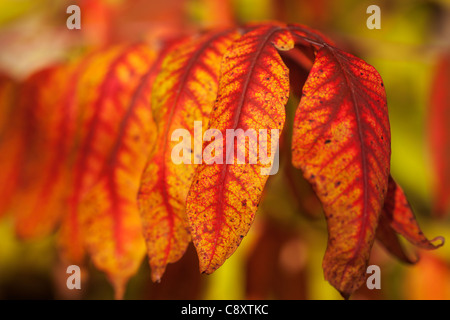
x=143 y=147
x=110 y=214
x=47 y=102
x=102 y=215
x=253 y=90
x=341 y=141
x=184 y=92
x=439 y=126
x=398 y=212
x=90 y=75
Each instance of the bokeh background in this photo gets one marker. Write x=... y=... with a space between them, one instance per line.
x=282 y=255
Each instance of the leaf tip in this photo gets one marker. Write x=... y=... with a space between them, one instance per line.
x=345 y=295
x=157 y=274
x=207 y=268
x=439 y=238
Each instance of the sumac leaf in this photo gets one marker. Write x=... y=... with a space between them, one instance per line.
x=184 y=92
x=48 y=105
x=102 y=215
x=341 y=141
x=253 y=91
x=390 y=240
x=398 y=212
x=110 y=216
x=91 y=89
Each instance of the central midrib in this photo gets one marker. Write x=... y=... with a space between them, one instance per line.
x=186 y=74
x=220 y=218
x=362 y=232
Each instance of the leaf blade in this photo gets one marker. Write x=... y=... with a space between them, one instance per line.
x=341 y=128
x=402 y=220
x=439 y=119
x=184 y=90
x=105 y=89
x=223 y=198
x=109 y=214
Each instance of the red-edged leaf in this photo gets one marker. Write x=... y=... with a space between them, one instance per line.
x=49 y=101
x=390 y=240
x=402 y=220
x=253 y=90
x=110 y=217
x=342 y=143
x=104 y=92
x=183 y=92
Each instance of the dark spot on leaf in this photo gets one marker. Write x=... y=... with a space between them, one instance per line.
x=327 y=141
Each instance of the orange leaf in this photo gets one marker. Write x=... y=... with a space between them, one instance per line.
x=110 y=216
x=342 y=143
x=48 y=105
x=253 y=90
x=184 y=92
x=401 y=218
x=108 y=108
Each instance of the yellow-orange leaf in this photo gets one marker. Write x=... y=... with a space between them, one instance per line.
x=253 y=91
x=341 y=141
x=400 y=216
x=184 y=92
x=100 y=216
x=109 y=215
